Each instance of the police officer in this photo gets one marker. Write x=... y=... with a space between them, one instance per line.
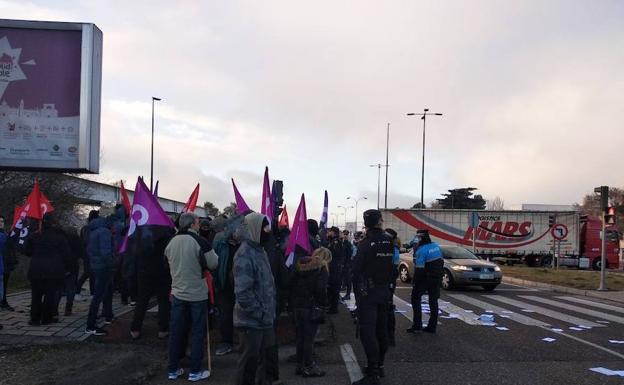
x=372 y=275
x=428 y=271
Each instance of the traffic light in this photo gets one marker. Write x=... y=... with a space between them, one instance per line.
x=609 y=216
x=604 y=196
x=552 y=218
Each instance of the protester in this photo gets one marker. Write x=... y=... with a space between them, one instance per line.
x=71 y=274
x=313 y=231
x=372 y=275
x=225 y=245
x=154 y=279
x=254 y=310
x=125 y=276
x=356 y=240
x=336 y=247
x=100 y=251
x=429 y=268
x=86 y=265
x=188 y=255
x=346 y=265
x=310 y=298
x=10 y=260
x=49 y=253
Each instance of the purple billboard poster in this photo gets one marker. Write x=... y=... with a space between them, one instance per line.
x=43 y=98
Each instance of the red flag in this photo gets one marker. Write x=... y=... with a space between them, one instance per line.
x=125 y=200
x=16 y=215
x=283 y=222
x=192 y=201
x=37 y=204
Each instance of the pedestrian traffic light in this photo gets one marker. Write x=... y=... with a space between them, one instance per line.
x=552 y=218
x=609 y=216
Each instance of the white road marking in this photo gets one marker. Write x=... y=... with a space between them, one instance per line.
x=499 y=310
x=577 y=309
x=617 y=309
x=350 y=360
x=547 y=312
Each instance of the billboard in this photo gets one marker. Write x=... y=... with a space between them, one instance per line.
x=50 y=86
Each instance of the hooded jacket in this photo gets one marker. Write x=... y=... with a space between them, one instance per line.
x=49 y=253
x=310 y=282
x=100 y=245
x=254 y=287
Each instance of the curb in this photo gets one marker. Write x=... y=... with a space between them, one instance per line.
x=563 y=289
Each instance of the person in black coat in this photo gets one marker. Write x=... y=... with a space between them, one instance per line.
x=335 y=245
x=71 y=273
x=49 y=252
x=309 y=288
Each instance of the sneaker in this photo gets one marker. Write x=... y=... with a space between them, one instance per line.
x=223 y=349
x=414 y=329
x=199 y=376
x=95 y=332
x=133 y=303
x=312 y=371
x=108 y=321
x=176 y=374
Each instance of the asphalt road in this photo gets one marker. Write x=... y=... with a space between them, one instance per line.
x=465 y=351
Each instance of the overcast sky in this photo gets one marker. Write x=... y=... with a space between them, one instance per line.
x=531 y=93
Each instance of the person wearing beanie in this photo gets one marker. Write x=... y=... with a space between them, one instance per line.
x=372 y=275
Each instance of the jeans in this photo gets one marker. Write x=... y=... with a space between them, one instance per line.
x=306 y=331
x=86 y=274
x=104 y=295
x=251 y=368
x=152 y=286
x=372 y=311
x=197 y=312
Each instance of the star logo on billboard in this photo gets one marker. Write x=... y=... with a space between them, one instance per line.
x=10 y=70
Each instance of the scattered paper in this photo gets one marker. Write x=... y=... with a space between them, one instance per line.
x=489 y=311
x=575 y=328
x=502 y=328
x=603 y=322
x=469 y=311
x=585 y=327
x=557 y=330
x=507 y=311
x=548 y=339
x=608 y=372
x=528 y=311
x=453 y=315
x=488 y=324
x=616 y=342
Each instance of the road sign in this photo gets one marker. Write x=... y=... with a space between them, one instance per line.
x=559 y=231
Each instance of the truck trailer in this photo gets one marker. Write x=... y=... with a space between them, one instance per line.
x=532 y=237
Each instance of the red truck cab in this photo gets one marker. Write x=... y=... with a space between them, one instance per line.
x=591 y=244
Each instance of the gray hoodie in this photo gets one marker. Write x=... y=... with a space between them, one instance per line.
x=254 y=287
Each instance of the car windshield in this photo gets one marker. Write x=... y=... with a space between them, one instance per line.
x=453 y=252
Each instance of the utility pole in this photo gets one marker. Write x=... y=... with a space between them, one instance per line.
x=387 y=150
x=152 y=157
x=604 y=204
x=378 y=165
x=423 y=116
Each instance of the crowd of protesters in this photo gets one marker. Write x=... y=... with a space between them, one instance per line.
x=232 y=269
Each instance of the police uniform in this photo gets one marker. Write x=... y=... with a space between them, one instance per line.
x=372 y=275
x=428 y=271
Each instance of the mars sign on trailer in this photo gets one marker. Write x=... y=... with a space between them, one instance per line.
x=50 y=86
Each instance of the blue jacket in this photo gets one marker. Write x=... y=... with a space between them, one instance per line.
x=100 y=245
x=427 y=253
x=396 y=258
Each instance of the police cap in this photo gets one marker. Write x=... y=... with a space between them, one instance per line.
x=371 y=218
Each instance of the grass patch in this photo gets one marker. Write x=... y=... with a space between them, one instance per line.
x=578 y=279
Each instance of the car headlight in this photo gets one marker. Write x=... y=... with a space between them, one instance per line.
x=496 y=268
x=461 y=268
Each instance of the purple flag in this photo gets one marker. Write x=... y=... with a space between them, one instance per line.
x=323 y=222
x=241 y=205
x=299 y=233
x=267 y=198
x=146 y=212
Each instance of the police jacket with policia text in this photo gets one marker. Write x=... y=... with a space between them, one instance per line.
x=372 y=265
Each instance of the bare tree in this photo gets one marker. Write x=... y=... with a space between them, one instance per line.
x=496 y=204
x=211 y=209
x=230 y=210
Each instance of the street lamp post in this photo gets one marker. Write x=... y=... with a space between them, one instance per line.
x=152 y=158
x=356 y=209
x=423 y=116
x=378 y=165
x=345 y=213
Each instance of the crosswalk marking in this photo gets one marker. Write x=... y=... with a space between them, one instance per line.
x=547 y=312
x=351 y=362
x=406 y=309
x=499 y=310
x=600 y=305
x=577 y=309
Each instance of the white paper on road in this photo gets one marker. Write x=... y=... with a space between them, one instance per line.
x=528 y=311
x=603 y=322
x=520 y=318
x=578 y=309
x=584 y=327
x=507 y=311
x=548 y=339
x=469 y=311
x=608 y=372
x=616 y=342
x=575 y=328
x=502 y=328
x=545 y=311
x=489 y=311
x=557 y=330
